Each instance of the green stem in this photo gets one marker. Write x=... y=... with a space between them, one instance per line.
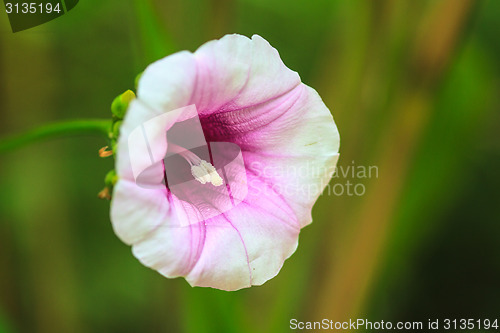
x=59 y=129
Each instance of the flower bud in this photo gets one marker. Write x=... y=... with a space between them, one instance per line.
x=120 y=104
x=116 y=129
x=111 y=178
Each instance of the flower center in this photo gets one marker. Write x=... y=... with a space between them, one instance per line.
x=202 y=171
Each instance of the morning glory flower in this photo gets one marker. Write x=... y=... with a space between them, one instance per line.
x=220 y=160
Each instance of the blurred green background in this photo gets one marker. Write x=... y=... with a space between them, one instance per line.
x=414 y=87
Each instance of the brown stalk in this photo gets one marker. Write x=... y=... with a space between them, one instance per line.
x=351 y=273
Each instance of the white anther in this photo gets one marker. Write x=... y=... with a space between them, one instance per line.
x=215 y=179
x=199 y=174
x=206 y=173
x=201 y=170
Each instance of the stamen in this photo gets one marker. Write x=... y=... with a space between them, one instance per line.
x=200 y=174
x=215 y=179
x=188 y=155
x=202 y=171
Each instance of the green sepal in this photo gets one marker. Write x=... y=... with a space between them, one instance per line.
x=137 y=78
x=116 y=129
x=120 y=104
x=111 y=178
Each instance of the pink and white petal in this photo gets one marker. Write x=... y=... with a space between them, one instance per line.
x=223 y=68
x=297 y=123
x=300 y=181
x=247 y=245
x=299 y=151
x=223 y=262
x=165 y=85
x=268 y=227
x=172 y=250
x=291 y=141
x=145 y=140
x=268 y=77
x=236 y=72
x=168 y=83
x=247 y=127
x=136 y=211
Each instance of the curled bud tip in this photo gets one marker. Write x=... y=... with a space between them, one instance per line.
x=104 y=194
x=127 y=96
x=105 y=153
x=120 y=104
